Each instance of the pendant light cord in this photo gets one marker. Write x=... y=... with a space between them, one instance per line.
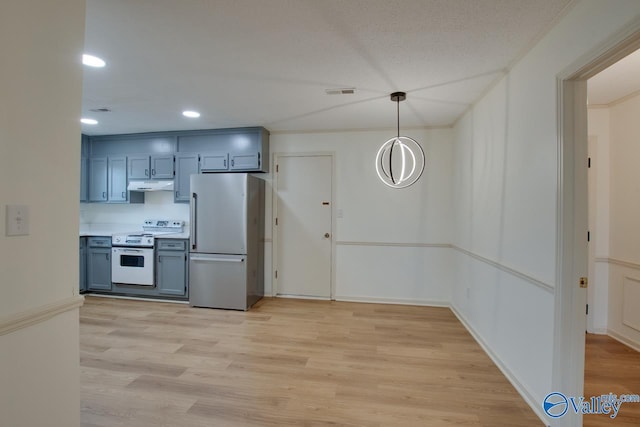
x=398 y=115
x=393 y=180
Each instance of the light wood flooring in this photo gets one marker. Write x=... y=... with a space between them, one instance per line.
x=611 y=367
x=287 y=363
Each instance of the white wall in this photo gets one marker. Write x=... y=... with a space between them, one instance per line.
x=505 y=217
x=505 y=186
x=614 y=291
x=388 y=242
x=41 y=82
x=624 y=244
x=157 y=205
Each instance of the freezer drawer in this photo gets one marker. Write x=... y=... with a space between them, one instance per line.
x=218 y=281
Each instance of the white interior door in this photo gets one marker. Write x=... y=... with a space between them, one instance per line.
x=303 y=227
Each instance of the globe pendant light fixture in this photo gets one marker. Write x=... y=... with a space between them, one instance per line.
x=400 y=161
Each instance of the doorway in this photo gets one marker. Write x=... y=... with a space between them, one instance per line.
x=612 y=360
x=614 y=265
x=572 y=245
x=303 y=225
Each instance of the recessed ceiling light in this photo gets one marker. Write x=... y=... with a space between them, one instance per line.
x=92 y=61
x=88 y=121
x=191 y=114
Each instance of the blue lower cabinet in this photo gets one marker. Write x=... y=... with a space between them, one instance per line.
x=83 y=264
x=99 y=264
x=99 y=269
x=171 y=267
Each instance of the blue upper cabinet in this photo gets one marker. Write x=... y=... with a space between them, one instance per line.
x=84 y=179
x=117 y=179
x=139 y=167
x=113 y=160
x=221 y=150
x=245 y=161
x=147 y=166
x=84 y=169
x=186 y=165
x=162 y=166
x=151 y=155
x=108 y=181
x=98 y=179
x=214 y=162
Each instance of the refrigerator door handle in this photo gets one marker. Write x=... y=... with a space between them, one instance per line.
x=194 y=220
x=200 y=258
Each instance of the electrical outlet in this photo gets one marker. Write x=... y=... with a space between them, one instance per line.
x=17 y=220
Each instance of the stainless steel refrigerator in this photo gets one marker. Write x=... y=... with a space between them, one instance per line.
x=226 y=259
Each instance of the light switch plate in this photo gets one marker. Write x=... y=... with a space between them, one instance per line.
x=17 y=220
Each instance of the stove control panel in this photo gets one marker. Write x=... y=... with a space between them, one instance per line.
x=141 y=240
x=167 y=225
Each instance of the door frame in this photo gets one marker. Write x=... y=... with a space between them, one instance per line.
x=572 y=213
x=274 y=210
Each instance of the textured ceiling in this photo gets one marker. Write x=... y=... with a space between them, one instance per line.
x=268 y=62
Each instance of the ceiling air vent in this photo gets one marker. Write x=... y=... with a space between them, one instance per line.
x=341 y=91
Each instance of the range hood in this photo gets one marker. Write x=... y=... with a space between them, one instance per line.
x=156 y=185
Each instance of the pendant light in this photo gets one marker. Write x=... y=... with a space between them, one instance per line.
x=400 y=161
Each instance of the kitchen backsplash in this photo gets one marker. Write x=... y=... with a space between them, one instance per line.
x=157 y=205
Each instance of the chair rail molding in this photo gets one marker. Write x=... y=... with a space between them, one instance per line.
x=38 y=314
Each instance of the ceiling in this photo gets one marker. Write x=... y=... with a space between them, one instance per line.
x=616 y=82
x=268 y=62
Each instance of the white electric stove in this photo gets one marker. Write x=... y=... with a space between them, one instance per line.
x=132 y=261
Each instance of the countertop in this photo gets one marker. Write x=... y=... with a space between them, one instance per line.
x=111 y=229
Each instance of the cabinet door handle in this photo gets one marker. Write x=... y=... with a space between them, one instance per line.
x=146 y=172
x=233 y=162
x=107 y=255
x=124 y=194
x=104 y=195
x=224 y=163
x=177 y=194
x=153 y=172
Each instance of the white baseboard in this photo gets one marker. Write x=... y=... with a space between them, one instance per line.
x=624 y=340
x=520 y=388
x=137 y=298
x=400 y=301
x=39 y=314
x=302 y=297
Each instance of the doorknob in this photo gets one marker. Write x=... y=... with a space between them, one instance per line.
x=327 y=235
